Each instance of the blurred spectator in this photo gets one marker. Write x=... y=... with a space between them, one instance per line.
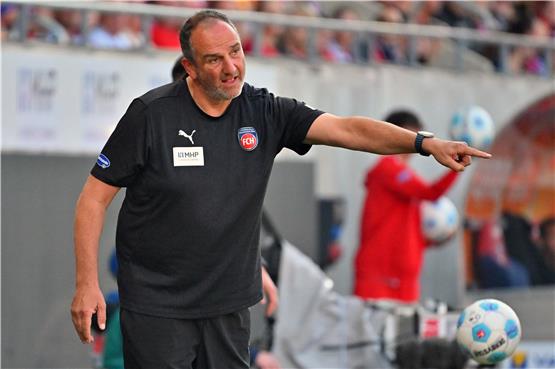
x=9 y=16
x=494 y=267
x=110 y=33
x=426 y=13
x=294 y=41
x=133 y=30
x=178 y=71
x=72 y=21
x=527 y=59
x=271 y=32
x=197 y=4
x=504 y=13
x=248 y=5
x=44 y=26
x=455 y=14
x=244 y=29
x=480 y=15
x=340 y=47
x=164 y=33
x=517 y=233
x=390 y=48
x=546 y=12
x=546 y=248
x=404 y=7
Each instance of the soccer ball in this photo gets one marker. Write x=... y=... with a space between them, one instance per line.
x=439 y=220
x=474 y=126
x=488 y=331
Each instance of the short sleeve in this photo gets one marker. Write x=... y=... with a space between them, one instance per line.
x=125 y=154
x=296 y=118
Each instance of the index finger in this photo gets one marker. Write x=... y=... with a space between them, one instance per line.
x=475 y=152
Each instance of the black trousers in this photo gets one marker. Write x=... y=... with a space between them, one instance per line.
x=151 y=342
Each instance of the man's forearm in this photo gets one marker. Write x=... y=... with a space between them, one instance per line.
x=89 y=220
x=361 y=134
x=378 y=137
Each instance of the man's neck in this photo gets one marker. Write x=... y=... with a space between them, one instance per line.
x=207 y=105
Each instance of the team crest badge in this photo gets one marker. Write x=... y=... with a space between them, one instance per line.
x=248 y=138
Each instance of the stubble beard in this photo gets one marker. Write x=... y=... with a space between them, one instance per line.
x=217 y=93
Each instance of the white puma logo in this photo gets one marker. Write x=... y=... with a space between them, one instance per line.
x=190 y=137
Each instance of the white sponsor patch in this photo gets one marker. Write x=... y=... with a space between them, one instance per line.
x=188 y=157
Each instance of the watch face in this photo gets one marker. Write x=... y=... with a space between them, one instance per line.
x=426 y=134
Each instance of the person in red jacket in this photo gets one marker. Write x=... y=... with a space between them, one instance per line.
x=389 y=258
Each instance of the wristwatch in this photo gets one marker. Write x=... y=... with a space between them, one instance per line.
x=420 y=136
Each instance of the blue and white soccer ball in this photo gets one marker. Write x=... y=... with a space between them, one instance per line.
x=488 y=331
x=473 y=125
x=440 y=220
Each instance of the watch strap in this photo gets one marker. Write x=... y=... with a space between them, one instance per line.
x=418 y=144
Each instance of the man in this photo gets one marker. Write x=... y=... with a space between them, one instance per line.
x=389 y=259
x=195 y=156
x=270 y=290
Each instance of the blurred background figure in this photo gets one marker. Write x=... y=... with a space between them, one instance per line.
x=71 y=20
x=455 y=14
x=134 y=31
x=244 y=29
x=495 y=268
x=389 y=258
x=426 y=13
x=526 y=59
x=111 y=33
x=342 y=44
x=546 y=13
x=44 y=27
x=293 y=42
x=164 y=33
x=390 y=48
x=546 y=248
x=9 y=15
x=271 y=33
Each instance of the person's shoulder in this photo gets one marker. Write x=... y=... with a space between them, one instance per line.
x=388 y=160
x=165 y=91
x=253 y=93
x=389 y=163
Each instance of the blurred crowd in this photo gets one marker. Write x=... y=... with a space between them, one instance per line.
x=125 y=31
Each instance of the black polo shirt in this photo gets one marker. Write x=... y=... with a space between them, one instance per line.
x=188 y=229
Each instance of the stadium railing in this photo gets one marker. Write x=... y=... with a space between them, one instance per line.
x=458 y=41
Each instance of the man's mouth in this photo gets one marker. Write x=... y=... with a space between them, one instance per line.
x=229 y=81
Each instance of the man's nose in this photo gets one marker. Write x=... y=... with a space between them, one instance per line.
x=228 y=65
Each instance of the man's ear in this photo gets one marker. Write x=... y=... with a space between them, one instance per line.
x=189 y=67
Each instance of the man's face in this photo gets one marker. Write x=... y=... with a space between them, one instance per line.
x=219 y=60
